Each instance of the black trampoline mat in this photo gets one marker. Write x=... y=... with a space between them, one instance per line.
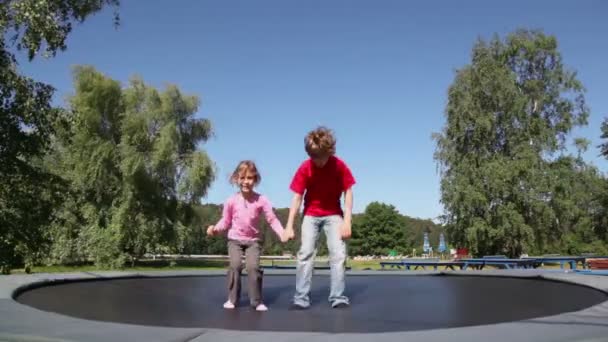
x=379 y=303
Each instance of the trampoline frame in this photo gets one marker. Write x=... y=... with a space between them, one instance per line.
x=21 y=322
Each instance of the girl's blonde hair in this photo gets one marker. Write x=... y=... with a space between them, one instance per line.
x=244 y=166
x=320 y=142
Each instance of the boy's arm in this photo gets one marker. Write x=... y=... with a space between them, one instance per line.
x=296 y=202
x=348 y=213
x=298 y=186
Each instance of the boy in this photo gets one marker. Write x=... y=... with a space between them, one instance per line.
x=321 y=180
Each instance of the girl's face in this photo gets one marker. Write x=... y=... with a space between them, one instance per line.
x=246 y=181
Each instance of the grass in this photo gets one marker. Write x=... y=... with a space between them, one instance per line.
x=176 y=264
x=198 y=264
x=143 y=265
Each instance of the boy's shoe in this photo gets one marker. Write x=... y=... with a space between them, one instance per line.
x=340 y=305
x=228 y=305
x=261 y=307
x=295 y=306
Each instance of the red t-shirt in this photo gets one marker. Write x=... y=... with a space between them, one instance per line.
x=323 y=186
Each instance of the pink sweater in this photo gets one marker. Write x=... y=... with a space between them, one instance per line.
x=243 y=217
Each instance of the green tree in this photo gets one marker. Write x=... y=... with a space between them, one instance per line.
x=380 y=229
x=600 y=216
x=507 y=113
x=27 y=193
x=416 y=229
x=131 y=158
x=577 y=187
x=604 y=146
x=209 y=214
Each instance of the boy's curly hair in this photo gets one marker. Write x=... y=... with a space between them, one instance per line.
x=244 y=166
x=320 y=142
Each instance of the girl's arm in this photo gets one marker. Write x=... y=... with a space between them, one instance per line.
x=271 y=218
x=226 y=221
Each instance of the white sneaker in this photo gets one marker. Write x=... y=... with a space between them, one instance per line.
x=261 y=307
x=228 y=305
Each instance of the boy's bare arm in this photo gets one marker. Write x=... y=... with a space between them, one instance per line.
x=348 y=213
x=296 y=202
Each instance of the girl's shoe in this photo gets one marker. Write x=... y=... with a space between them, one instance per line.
x=261 y=307
x=228 y=305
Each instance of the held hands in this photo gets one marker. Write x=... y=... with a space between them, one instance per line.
x=283 y=236
x=288 y=234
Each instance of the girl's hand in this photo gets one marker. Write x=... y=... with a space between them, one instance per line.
x=283 y=237
x=210 y=231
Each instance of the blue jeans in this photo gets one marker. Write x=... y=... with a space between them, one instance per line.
x=311 y=227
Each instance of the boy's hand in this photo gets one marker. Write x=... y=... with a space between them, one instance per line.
x=345 y=230
x=289 y=233
x=210 y=231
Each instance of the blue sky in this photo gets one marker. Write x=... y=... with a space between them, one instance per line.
x=376 y=72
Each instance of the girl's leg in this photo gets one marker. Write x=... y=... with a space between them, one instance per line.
x=235 y=253
x=254 y=273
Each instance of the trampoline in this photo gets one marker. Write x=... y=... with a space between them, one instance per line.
x=380 y=302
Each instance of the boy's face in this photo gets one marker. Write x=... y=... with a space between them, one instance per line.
x=320 y=160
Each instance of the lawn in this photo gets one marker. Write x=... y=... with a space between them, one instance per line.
x=199 y=264
x=180 y=264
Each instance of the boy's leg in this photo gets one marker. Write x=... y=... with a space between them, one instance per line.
x=306 y=256
x=337 y=258
x=235 y=253
x=254 y=273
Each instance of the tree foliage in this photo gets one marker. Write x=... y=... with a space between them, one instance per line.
x=131 y=159
x=28 y=193
x=380 y=229
x=600 y=215
x=509 y=113
x=604 y=146
x=44 y=25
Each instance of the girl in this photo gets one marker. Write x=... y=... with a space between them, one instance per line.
x=240 y=217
